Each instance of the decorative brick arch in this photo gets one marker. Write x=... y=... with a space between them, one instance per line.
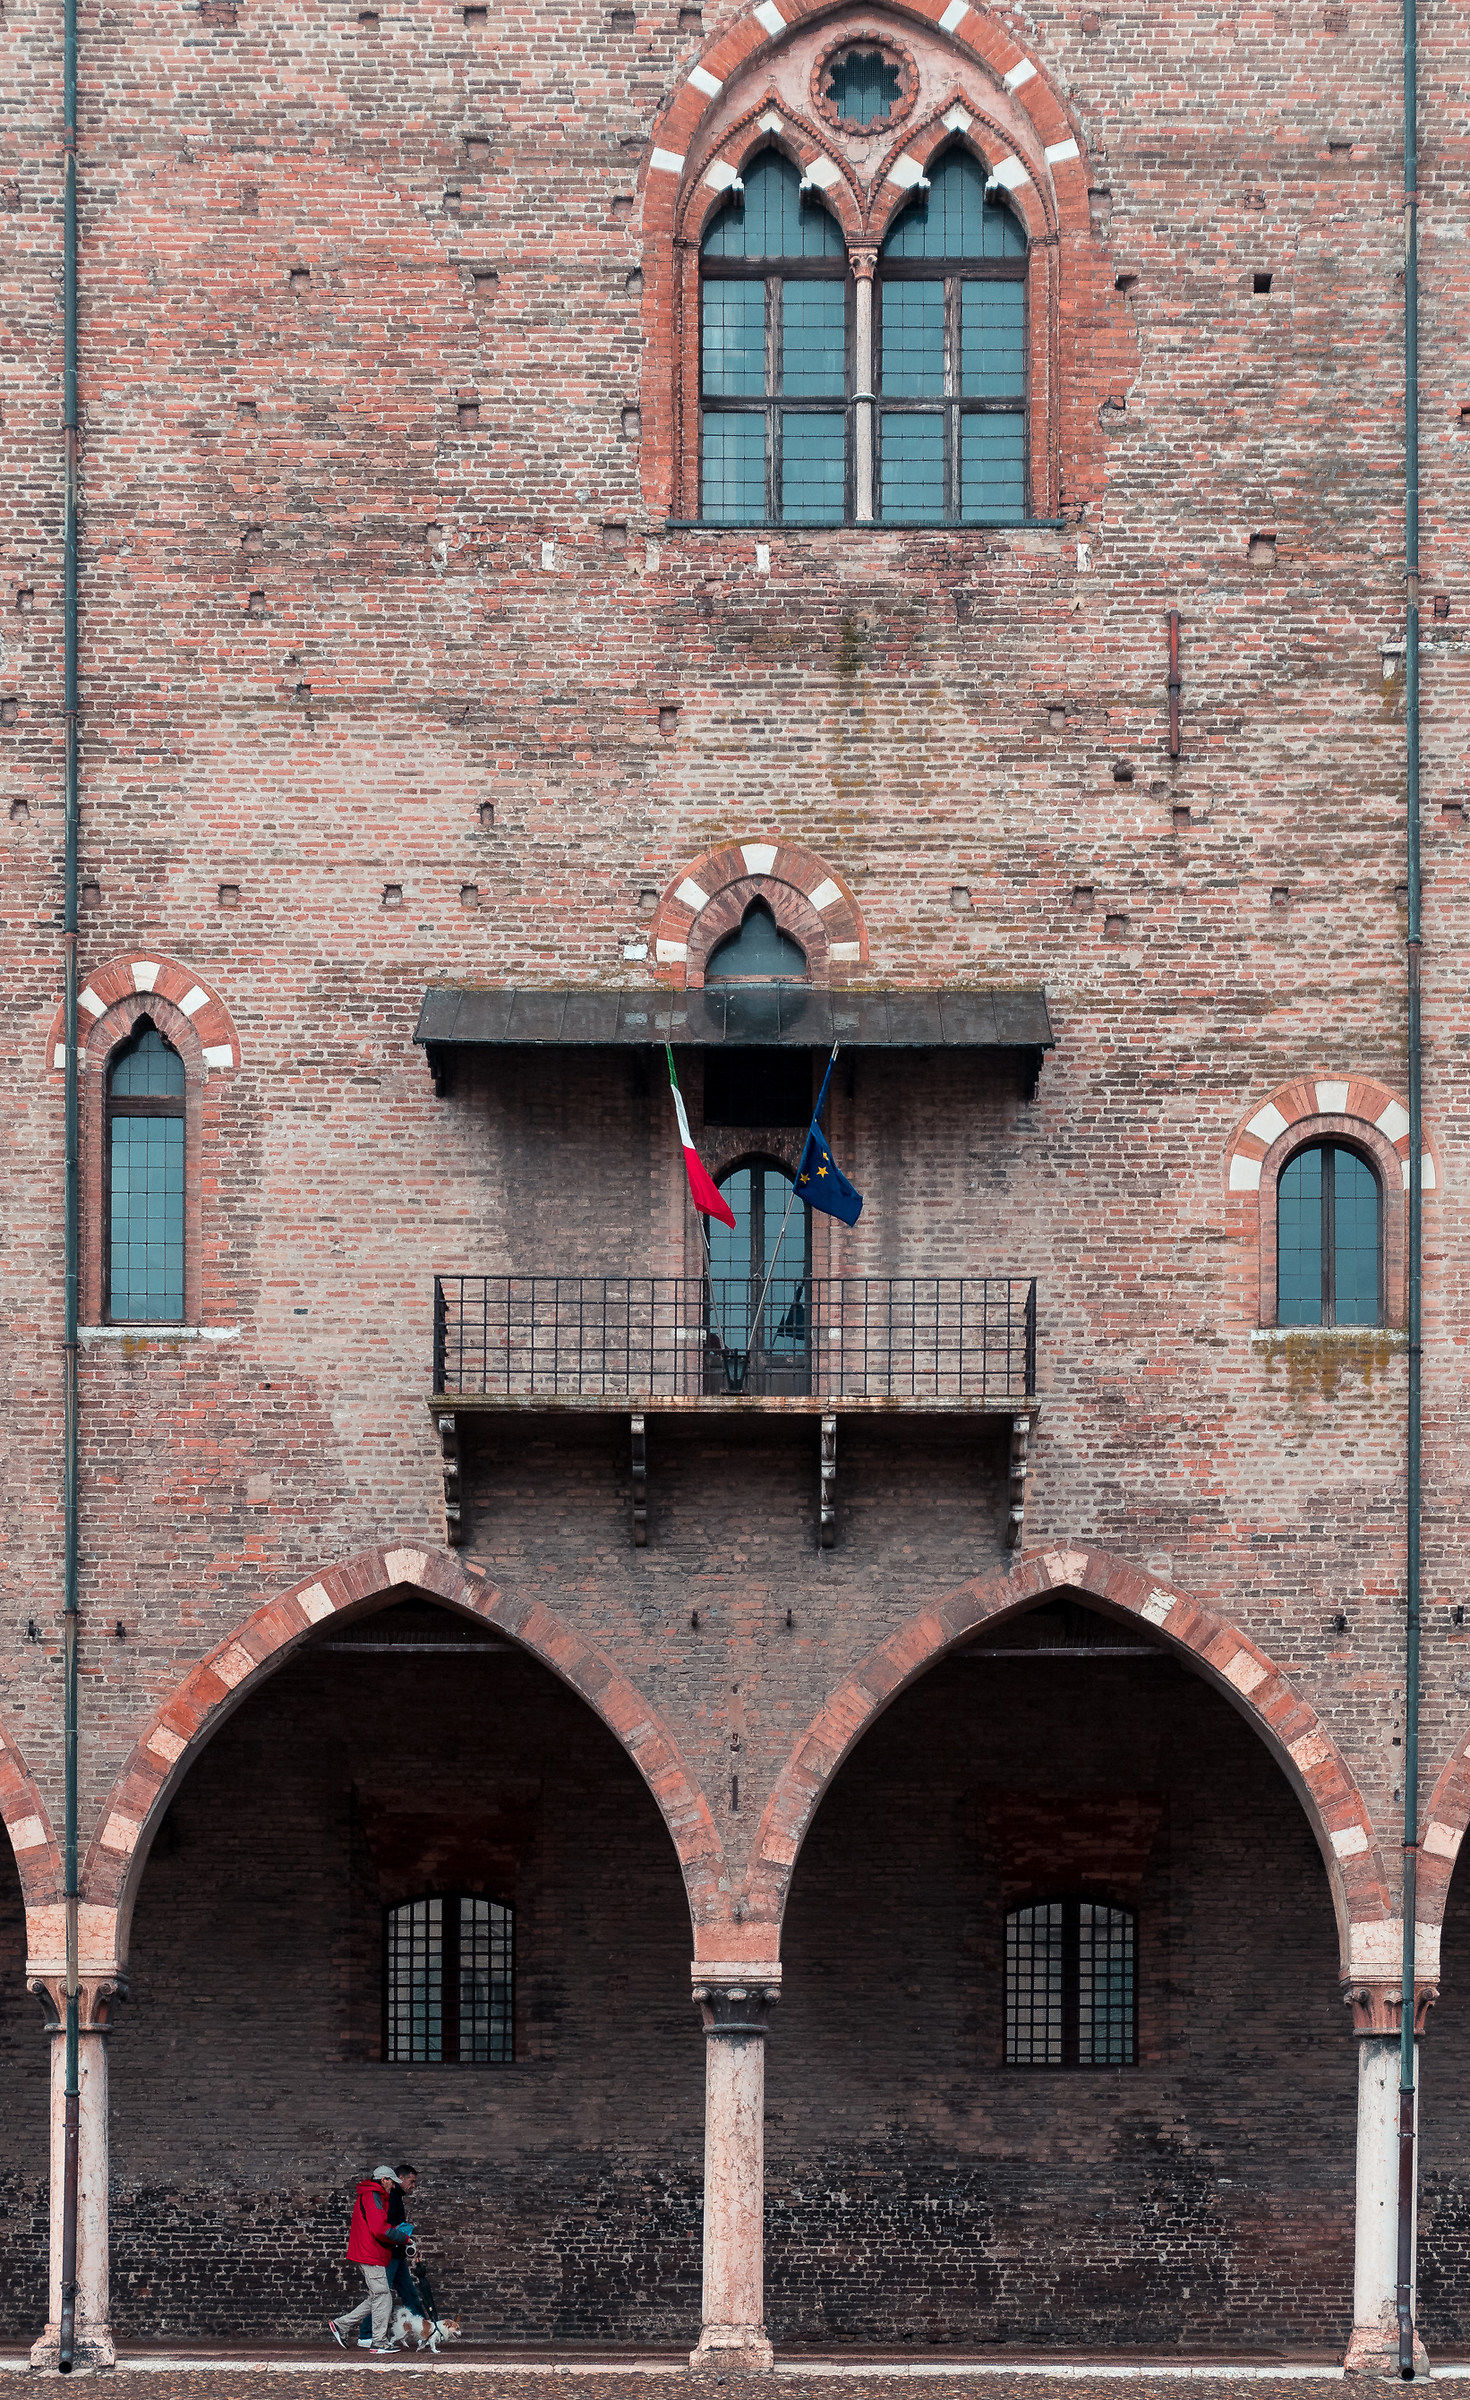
x=37 y=1853
x=1226 y=1658
x=989 y=95
x=194 y=1019
x=213 y=1689
x=1352 y=1109
x=708 y=899
x=1445 y=1823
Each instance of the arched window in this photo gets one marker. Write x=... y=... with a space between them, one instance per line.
x=1329 y=1244
x=952 y=355
x=448 y=1982
x=760 y=1276
x=1071 y=1985
x=774 y=356
x=759 y=953
x=144 y=1179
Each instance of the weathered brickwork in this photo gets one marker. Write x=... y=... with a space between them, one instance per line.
x=395 y=672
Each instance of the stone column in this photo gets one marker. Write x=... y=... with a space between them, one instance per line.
x=92 y=2340
x=735 y=2019
x=862 y=263
x=1374 y=2347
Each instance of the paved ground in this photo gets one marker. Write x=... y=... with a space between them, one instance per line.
x=466 y=2379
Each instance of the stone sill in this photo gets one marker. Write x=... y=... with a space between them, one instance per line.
x=1342 y=1338
x=151 y=1333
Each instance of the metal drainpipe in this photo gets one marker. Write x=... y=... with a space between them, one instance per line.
x=67 y=2328
x=1407 y=2162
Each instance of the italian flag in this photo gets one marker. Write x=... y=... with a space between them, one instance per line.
x=701 y=1190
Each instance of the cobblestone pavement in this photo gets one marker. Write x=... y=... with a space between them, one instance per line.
x=223 y=2379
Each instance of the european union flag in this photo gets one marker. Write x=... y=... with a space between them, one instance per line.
x=820 y=1182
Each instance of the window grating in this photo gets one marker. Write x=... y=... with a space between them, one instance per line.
x=1071 y=1985
x=449 y=1982
x=863 y=87
x=145 y=1181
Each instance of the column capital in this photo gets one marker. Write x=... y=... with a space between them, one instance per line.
x=737 y=2007
x=1378 y=2007
x=864 y=263
x=95 y=1993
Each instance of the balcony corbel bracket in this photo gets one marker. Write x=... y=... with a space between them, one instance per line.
x=638 y=1429
x=827 y=1485
x=1016 y=1523
x=454 y=1525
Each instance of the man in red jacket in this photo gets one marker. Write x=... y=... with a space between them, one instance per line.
x=370 y=2245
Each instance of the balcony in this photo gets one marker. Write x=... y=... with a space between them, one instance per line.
x=645 y=1345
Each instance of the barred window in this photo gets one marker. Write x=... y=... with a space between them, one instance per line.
x=951 y=292
x=1329 y=1241
x=1071 y=1985
x=143 y=1253
x=449 y=1982
x=774 y=377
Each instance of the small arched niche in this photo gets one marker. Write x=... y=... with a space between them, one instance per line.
x=758 y=953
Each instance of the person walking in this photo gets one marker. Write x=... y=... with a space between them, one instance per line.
x=370 y=2246
x=401 y=2288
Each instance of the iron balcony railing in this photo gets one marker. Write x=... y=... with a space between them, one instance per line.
x=936 y=1338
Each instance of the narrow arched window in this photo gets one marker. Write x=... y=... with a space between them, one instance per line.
x=1329 y=1239
x=760 y=1282
x=448 y=1982
x=759 y=953
x=774 y=375
x=1071 y=1985
x=951 y=289
x=143 y=1254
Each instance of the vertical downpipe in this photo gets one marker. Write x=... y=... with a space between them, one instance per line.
x=1407 y=2109
x=67 y=2329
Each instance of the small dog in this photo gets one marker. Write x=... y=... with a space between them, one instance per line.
x=420 y=2333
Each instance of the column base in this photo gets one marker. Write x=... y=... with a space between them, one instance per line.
x=91 y=2347
x=743 y=2347
x=1374 y=2350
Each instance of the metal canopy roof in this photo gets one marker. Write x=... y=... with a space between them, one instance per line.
x=785 y=1015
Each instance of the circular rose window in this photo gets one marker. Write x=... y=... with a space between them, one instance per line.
x=864 y=86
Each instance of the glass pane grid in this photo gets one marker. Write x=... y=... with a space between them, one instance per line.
x=146 y=1245
x=913 y=340
x=911 y=480
x=486 y=2019
x=415 y=1983
x=992 y=327
x=956 y=218
x=734 y=360
x=1105 y=1971
x=773 y=218
x=813 y=339
x=734 y=468
x=1034 y=1985
x=992 y=468
x=149 y=1070
x=1355 y=1244
x=813 y=466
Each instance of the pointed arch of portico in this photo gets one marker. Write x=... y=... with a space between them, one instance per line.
x=28 y=1824
x=213 y=1689
x=1445 y=1823
x=1225 y=1657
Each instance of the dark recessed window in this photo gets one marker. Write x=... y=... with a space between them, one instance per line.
x=759 y=953
x=759 y=1278
x=1329 y=1248
x=863 y=86
x=774 y=375
x=1071 y=1985
x=448 y=1983
x=951 y=292
x=757 y=1087
x=144 y=1173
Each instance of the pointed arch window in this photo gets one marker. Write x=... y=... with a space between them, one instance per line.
x=144 y=1179
x=775 y=381
x=759 y=953
x=951 y=354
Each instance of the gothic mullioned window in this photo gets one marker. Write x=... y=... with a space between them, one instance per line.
x=952 y=356
x=774 y=356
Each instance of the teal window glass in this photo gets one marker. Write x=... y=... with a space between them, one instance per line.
x=735 y=340
x=952 y=329
x=734 y=469
x=145 y=1182
x=911 y=469
x=992 y=470
x=813 y=467
x=1329 y=1227
x=957 y=217
x=773 y=218
x=912 y=341
x=813 y=340
x=863 y=87
x=992 y=340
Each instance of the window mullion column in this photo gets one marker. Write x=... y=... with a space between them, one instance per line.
x=863 y=264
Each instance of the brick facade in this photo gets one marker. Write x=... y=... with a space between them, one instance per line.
x=396 y=672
